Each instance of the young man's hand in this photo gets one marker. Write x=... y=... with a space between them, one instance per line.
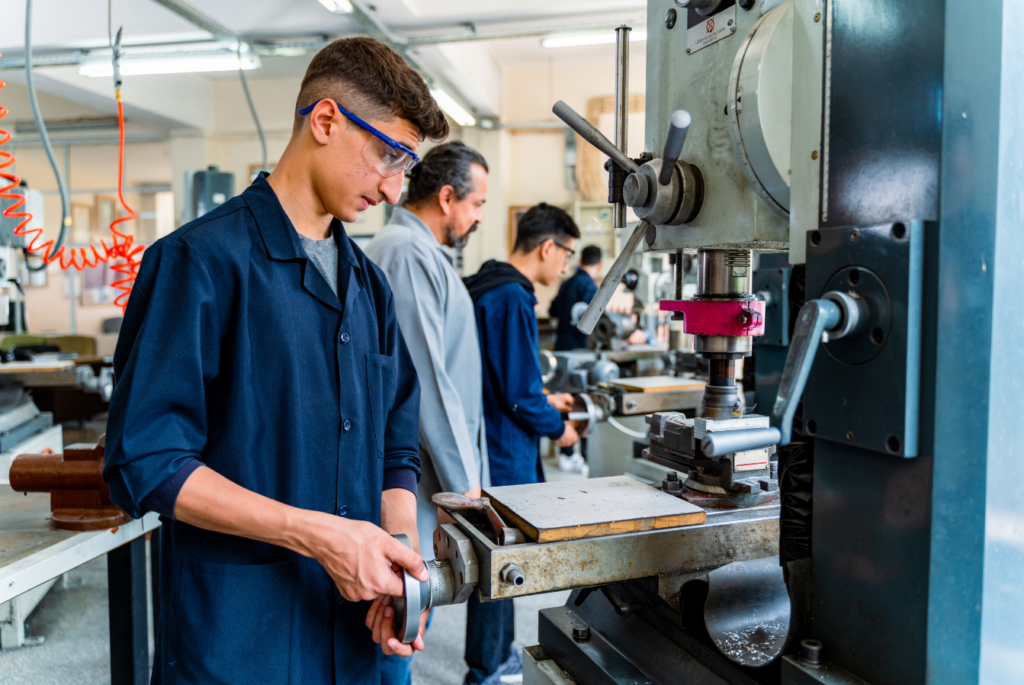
x=380 y=619
x=397 y=515
x=562 y=402
x=637 y=338
x=569 y=438
x=360 y=558
x=474 y=492
x=357 y=555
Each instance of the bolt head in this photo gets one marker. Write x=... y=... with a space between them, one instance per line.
x=814 y=155
x=580 y=631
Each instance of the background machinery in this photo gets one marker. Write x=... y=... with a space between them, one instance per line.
x=875 y=146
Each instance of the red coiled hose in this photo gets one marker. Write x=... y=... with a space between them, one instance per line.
x=123 y=246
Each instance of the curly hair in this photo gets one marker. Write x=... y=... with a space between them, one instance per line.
x=449 y=164
x=372 y=80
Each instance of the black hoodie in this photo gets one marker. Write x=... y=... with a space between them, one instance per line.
x=493 y=273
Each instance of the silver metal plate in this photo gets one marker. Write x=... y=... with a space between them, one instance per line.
x=704 y=31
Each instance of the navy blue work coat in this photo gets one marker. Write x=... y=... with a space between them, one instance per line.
x=516 y=411
x=235 y=351
x=580 y=288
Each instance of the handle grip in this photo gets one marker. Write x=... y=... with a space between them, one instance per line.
x=590 y=134
x=727 y=442
x=678 y=126
x=604 y=294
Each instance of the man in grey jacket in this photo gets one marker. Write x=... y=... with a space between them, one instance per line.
x=447 y=191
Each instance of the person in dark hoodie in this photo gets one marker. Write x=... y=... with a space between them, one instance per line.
x=516 y=410
x=580 y=288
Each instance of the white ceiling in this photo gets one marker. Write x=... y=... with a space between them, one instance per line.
x=470 y=70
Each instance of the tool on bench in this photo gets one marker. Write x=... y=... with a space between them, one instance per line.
x=505 y=535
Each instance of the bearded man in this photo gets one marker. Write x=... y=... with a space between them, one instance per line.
x=444 y=205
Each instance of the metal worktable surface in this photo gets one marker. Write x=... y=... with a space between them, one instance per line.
x=31 y=552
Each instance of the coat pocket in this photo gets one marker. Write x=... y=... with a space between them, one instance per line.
x=380 y=385
x=235 y=623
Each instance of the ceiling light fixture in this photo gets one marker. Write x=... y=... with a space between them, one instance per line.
x=453 y=109
x=338 y=6
x=569 y=40
x=181 y=63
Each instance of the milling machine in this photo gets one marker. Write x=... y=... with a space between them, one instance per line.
x=834 y=130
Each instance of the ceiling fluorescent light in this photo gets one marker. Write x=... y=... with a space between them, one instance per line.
x=338 y=6
x=569 y=40
x=183 y=63
x=453 y=109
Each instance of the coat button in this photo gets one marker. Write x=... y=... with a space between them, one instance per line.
x=347 y=425
x=345 y=337
x=343 y=510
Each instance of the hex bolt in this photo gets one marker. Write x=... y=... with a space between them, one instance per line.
x=810 y=652
x=513 y=575
x=773 y=470
x=580 y=631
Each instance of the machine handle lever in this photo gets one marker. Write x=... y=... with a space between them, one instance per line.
x=829 y=313
x=678 y=126
x=604 y=293
x=590 y=134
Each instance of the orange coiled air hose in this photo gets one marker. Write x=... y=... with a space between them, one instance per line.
x=122 y=247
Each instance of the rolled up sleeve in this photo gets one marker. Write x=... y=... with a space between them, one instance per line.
x=167 y=354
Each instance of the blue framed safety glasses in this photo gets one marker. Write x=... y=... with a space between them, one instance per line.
x=388 y=155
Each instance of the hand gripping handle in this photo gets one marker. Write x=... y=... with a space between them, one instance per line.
x=678 y=126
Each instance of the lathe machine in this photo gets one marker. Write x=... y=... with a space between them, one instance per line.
x=878 y=144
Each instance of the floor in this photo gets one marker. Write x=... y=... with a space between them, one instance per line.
x=73 y=619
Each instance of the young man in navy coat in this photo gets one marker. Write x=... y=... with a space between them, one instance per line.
x=267 y=407
x=516 y=410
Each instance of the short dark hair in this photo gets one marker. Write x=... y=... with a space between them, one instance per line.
x=544 y=222
x=374 y=82
x=590 y=256
x=449 y=164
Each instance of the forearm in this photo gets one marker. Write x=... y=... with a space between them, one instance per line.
x=210 y=501
x=398 y=514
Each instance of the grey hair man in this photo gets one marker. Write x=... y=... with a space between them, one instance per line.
x=444 y=205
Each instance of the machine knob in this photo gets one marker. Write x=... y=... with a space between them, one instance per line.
x=678 y=126
x=635 y=190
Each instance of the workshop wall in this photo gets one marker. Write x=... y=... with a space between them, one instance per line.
x=526 y=166
x=535 y=159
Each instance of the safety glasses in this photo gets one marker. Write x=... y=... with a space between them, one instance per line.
x=388 y=155
x=569 y=252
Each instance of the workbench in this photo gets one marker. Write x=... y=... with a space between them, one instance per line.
x=33 y=556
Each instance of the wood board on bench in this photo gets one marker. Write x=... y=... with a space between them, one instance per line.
x=658 y=384
x=578 y=508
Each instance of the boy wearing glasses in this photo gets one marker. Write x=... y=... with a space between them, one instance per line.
x=266 y=404
x=516 y=410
